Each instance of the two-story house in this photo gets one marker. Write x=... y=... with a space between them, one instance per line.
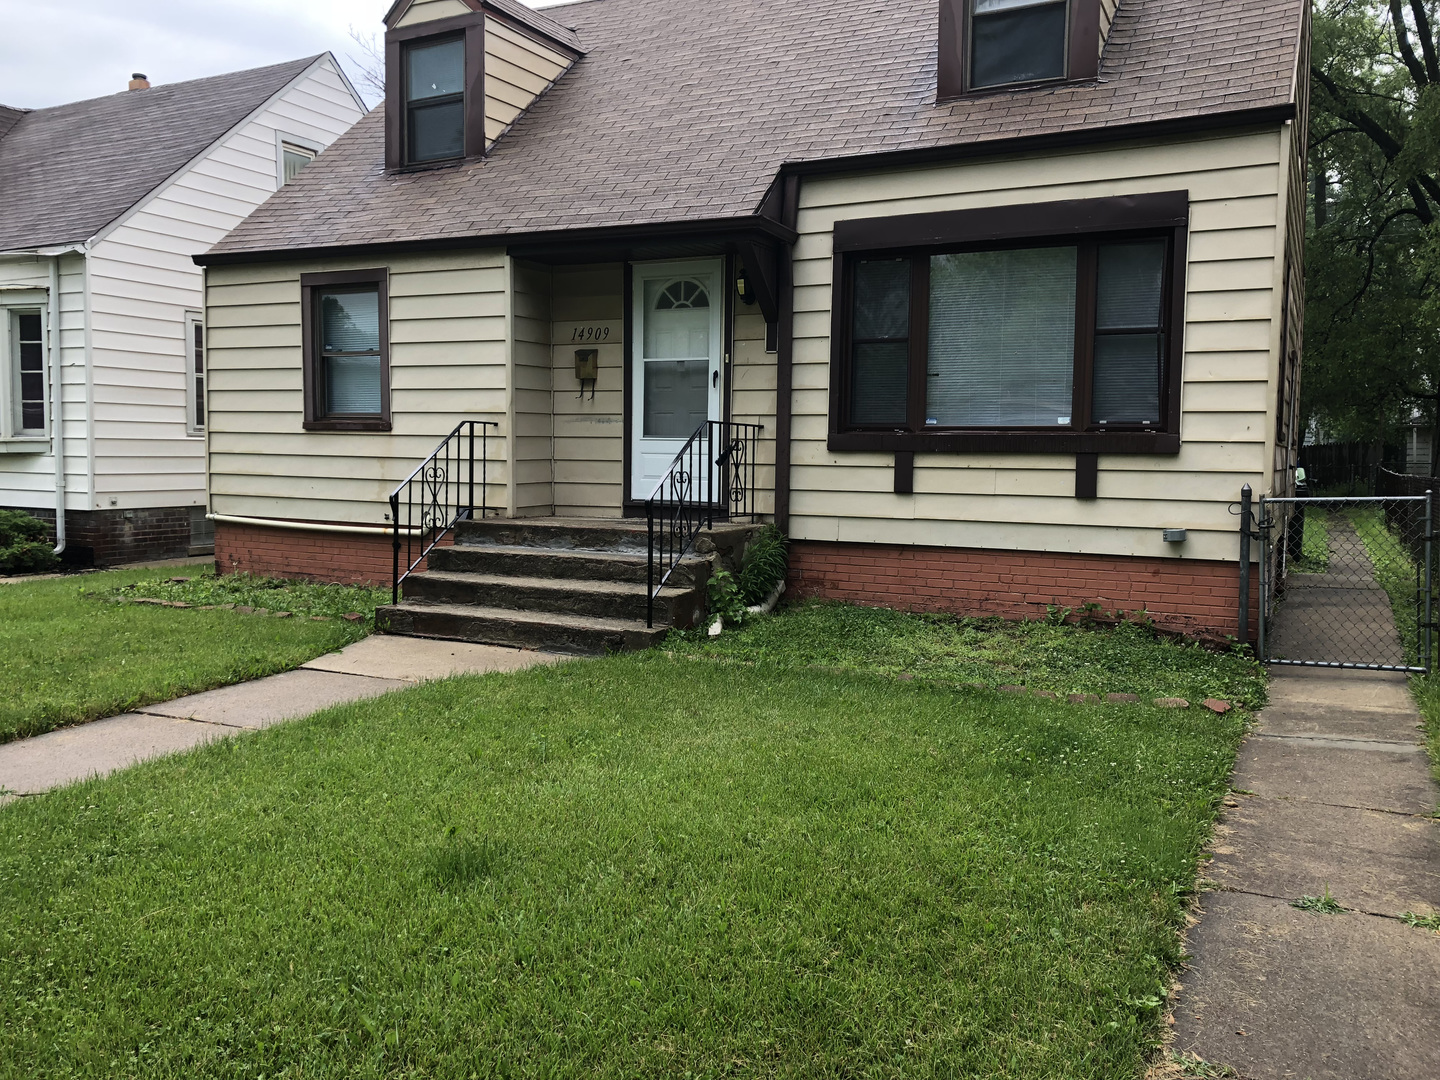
x=998 y=300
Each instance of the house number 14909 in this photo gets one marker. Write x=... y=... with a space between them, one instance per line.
x=590 y=333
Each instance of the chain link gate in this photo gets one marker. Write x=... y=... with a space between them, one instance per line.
x=1345 y=582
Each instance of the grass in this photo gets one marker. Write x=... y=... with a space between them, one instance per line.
x=1062 y=659
x=1421 y=922
x=655 y=865
x=72 y=655
x=1324 y=904
x=1315 y=545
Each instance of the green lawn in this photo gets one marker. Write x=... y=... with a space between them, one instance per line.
x=678 y=863
x=72 y=654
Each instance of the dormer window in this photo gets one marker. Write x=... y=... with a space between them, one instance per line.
x=434 y=100
x=435 y=92
x=995 y=44
x=1016 y=41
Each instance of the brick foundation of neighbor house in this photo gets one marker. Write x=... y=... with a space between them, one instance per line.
x=116 y=537
x=338 y=558
x=1188 y=596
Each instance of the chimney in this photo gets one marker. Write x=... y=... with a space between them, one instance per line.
x=139 y=82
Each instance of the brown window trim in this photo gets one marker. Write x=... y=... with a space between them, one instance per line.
x=315 y=420
x=916 y=236
x=472 y=28
x=1082 y=59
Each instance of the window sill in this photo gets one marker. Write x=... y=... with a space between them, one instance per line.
x=26 y=444
x=1008 y=442
x=376 y=424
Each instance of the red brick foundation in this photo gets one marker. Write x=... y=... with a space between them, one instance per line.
x=343 y=558
x=1184 y=595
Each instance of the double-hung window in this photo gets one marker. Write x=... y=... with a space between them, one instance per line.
x=347 y=346
x=195 y=373
x=1050 y=327
x=990 y=44
x=435 y=92
x=1017 y=41
x=24 y=395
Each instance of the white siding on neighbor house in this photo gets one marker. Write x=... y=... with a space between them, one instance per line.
x=449 y=361
x=27 y=477
x=1026 y=501
x=589 y=431
x=518 y=69
x=143 y=281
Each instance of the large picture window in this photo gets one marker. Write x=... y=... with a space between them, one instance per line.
x=347 y=363
x=1063 y=336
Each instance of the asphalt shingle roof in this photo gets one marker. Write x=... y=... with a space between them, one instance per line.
x=686 y=109
x=71 y=170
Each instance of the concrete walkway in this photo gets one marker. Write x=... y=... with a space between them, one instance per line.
x=366 y=669
x=1333 y=790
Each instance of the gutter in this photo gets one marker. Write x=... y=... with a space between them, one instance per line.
x=307 y=526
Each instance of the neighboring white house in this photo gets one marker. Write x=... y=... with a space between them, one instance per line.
x=102 y=345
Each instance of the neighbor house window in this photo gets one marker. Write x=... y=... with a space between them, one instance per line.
x=1017 y=41
x=434 y=91
x=293 y=159
x=24 y=367
x=1063 y=336
x=347 y=367
x=195 y=373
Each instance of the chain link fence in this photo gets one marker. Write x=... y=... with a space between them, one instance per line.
x=1346 y=582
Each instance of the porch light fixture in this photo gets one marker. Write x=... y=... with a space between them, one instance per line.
x=742 y=287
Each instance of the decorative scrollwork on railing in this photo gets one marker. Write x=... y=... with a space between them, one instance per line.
x=450 y=485
x=714 y=473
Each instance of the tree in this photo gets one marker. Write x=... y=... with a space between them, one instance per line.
x=1372 y=307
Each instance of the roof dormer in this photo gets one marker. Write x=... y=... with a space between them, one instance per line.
x=458 y=73
x=990 y=45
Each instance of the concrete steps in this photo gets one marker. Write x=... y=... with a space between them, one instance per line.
x=569 y=585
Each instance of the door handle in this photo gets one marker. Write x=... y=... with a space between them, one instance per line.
x=715 y=378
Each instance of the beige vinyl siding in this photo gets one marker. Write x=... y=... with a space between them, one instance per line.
x=143 y=281
x=518 y=69
x=1107 y=16
x=589 y=433
x=532 y=417
x=752 y=395
x=1026 y=501
x=449 y=320
x=27 y=478
x=423 y=11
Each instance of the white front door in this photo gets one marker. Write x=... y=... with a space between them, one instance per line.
x=675 y=375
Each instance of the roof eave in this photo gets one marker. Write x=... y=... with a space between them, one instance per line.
x=751 y=225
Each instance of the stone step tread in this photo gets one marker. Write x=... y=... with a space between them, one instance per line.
x=533 y=618
x=552 y=584
x=624 y=558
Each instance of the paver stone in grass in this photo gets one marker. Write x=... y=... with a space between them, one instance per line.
x=1012 y=689
x=1122 y=699
x=1170 y=703
x=1215 y=705
x=1083 y=699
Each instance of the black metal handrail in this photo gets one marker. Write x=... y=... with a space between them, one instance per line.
x=712 y=476
x=439 y=494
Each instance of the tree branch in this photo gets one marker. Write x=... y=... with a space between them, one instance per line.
x=1427 y=40
x=1402 y=39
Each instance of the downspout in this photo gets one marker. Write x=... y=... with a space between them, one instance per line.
x=57 y=421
